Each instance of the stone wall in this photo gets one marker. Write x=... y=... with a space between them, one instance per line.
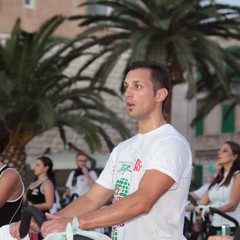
x=33 y=17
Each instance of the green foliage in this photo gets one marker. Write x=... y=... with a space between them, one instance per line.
x=210 y=85
x=183 y=34
x=37 y=94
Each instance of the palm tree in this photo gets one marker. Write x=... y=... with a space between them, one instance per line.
x=183 y=34
x=209 y=84
x=37 y=95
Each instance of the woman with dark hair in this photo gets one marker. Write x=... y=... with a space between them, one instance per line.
x=224 y=191
x=40 y=192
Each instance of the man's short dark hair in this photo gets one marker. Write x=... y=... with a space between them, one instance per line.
x=160 y=76
x=4 y=136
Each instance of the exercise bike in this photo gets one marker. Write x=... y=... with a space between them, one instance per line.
x=206 y=224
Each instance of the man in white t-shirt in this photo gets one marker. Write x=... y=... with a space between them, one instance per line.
x=148 y=175
x=81 y=179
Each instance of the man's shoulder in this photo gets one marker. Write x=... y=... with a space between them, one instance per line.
x=126 y=141
x=174 y=133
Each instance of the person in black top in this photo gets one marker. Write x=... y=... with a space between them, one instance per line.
x=40 y=192
x=11 y=185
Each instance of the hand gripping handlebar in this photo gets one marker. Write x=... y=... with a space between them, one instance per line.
x=32 y=211
x=28 y=213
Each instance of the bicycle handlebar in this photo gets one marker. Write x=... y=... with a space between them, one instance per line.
x=214 y=210
x=192 y=200
x=28 y=213
x=32 y=211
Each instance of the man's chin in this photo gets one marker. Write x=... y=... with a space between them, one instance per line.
x=131 y=114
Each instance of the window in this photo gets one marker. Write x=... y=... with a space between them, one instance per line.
x=227 y=119
x=100 y=9
x=97 y=9
x=29 y=3
x=199 y=127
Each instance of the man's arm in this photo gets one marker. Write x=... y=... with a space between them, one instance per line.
x=95 y=198
x=131 y=206
x=8 y=185
x=152 y=186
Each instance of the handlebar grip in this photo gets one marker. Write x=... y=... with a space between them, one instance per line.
x=192 y=200
x=28 y=213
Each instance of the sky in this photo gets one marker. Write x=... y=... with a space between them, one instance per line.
x=231 y=2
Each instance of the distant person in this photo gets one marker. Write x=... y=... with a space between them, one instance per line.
x=11 y=185
x=195 y=218
x=197 y=194
x=223 y=193
x=41 y=191
x=81 y=179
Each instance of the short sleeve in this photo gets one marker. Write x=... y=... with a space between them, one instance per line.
x=106 y=177
x=171 y=158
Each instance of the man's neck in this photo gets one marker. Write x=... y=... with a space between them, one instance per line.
x=148 y=126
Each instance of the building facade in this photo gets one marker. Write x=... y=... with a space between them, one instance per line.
x=205 y=138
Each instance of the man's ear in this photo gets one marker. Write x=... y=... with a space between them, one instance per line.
x=161 y=94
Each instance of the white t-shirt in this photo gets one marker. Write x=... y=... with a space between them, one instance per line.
x=165 y=150
x=82 y=185
x=219 y=196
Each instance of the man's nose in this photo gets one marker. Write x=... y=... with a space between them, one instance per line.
x=128 y=92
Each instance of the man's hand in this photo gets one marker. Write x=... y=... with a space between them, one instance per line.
x=14 y=230
x=54 y=224
x=85 y=170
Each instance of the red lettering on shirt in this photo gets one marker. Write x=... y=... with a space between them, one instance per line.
x=137 y=166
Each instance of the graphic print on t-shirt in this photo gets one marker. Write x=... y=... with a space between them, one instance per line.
x=122 y=186
x=121 y=191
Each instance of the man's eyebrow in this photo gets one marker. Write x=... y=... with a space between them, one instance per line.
x=134 y=81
